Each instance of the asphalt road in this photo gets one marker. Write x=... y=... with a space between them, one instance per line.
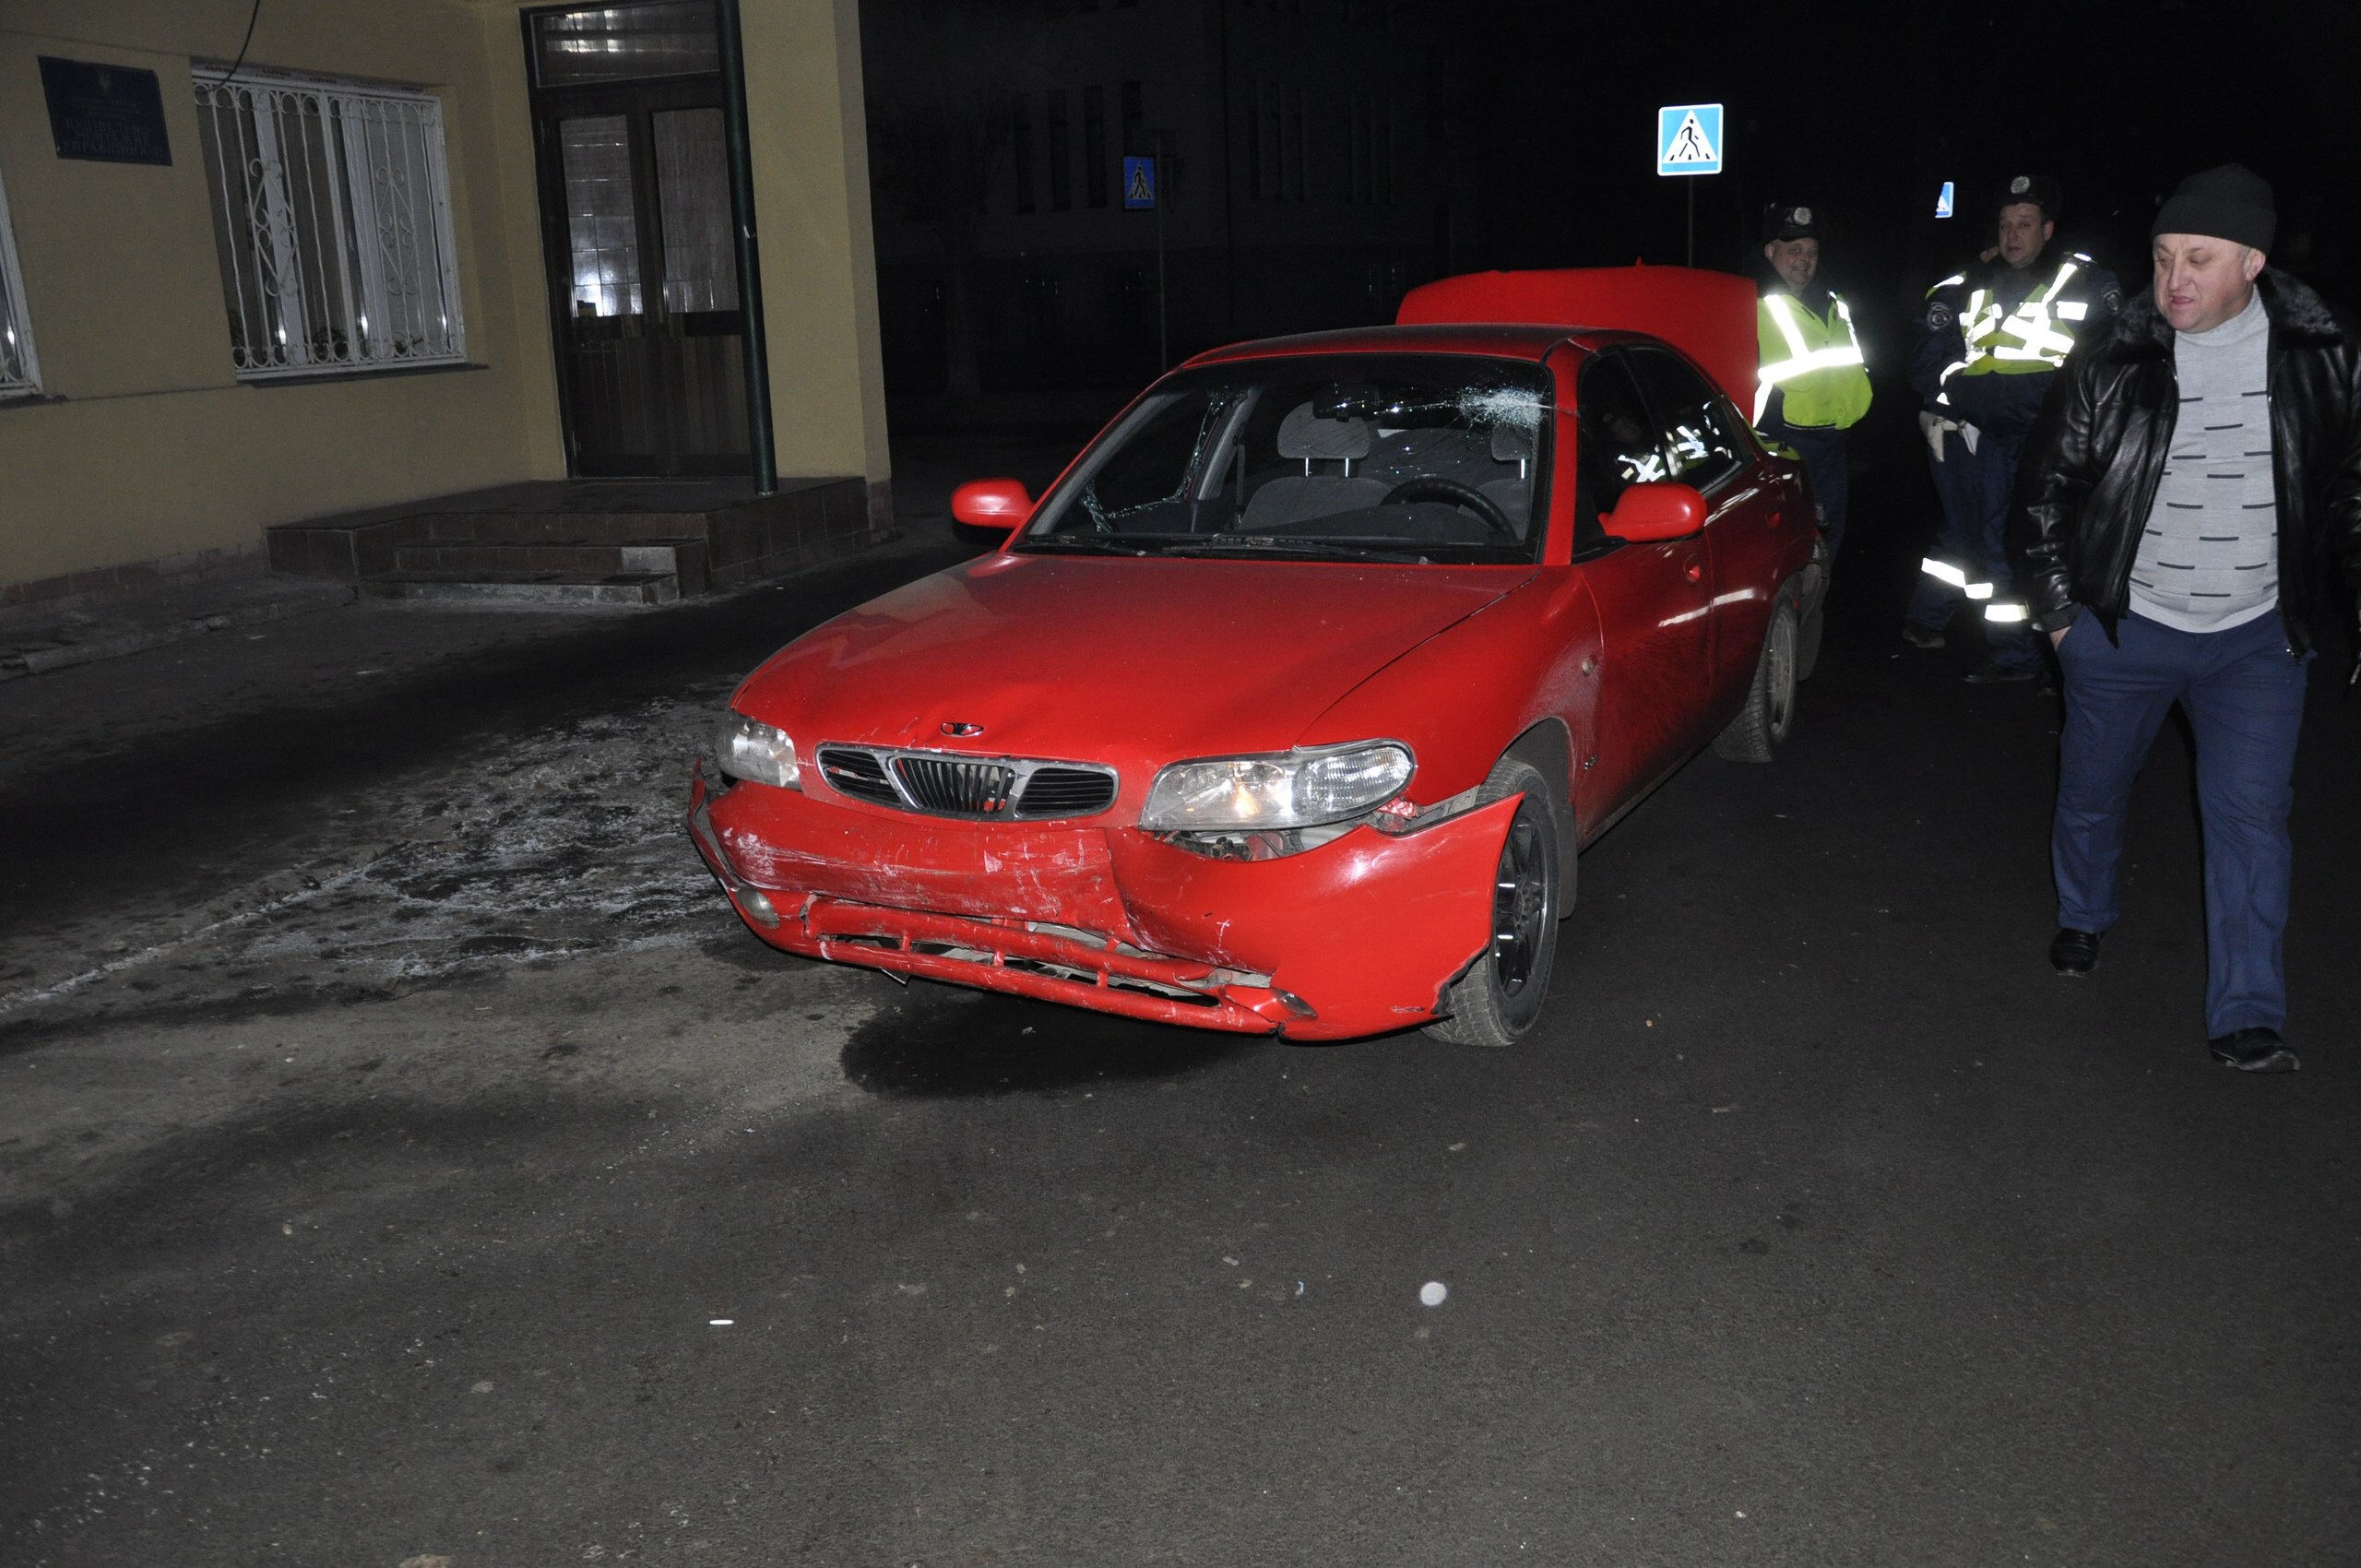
x=404 y=1156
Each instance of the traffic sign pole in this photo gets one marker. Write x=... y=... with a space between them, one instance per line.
x=1163 y=349
x=1143 y=188
x=1688 y=141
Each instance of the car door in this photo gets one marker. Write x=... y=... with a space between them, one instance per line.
x=1705 y=447
x=1654 y=601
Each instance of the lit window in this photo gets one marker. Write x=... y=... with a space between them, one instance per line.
x=332 y=215
x=19 y=374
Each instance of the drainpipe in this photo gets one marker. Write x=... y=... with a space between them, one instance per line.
x=750 y=258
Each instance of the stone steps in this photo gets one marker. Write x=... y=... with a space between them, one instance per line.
x=683 y=560
x=583 y=541
x=571 y=590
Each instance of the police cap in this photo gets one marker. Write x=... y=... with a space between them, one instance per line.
x=1781 y=221
x=2039 y=189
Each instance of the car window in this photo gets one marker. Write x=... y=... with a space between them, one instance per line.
x=1415 y=457
x=1150 y=473
x=1700 y=436
x=1615 y=438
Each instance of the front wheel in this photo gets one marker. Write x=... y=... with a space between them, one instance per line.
x=1761 y=726
x=1501 y=996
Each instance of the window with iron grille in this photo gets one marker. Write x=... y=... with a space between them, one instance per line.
x=332 y=215
x=19 y=373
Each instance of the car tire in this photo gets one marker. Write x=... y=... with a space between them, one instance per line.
x=1811 y=589
x=1808 y=644
x=1501 y=996
x=1761 y=726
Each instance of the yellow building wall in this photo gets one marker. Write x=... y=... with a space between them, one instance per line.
x=806 y=123
x=148 y=447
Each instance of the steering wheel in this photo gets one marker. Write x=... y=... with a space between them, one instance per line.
x=1452 y=493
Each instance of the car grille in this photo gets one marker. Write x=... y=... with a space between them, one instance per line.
x=1066 y=791
x=858 y=774
x=956 y=787
x=947 y=784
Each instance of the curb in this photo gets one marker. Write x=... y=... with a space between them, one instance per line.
x=42 y=660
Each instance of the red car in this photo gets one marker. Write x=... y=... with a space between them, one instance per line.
x=1287 y=707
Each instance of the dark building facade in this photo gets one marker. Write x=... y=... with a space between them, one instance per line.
x=1303 y=181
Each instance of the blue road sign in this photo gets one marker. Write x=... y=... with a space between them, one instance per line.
x=1689 y=139
x=1943 y=200
x=1139 y=184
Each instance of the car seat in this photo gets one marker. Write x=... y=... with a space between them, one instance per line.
x=1512 y=494
x=1328 y=448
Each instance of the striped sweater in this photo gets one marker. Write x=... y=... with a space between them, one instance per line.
x=2209 y=559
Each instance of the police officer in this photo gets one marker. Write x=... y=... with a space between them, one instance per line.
x=1989 y=342
x=1812 y=386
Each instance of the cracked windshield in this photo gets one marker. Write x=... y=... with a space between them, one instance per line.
x=1420 y=459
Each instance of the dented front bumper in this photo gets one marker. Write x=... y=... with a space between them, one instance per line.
x=1357 y=937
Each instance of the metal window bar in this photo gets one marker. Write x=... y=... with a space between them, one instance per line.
x=332 y=212
x=19 y=371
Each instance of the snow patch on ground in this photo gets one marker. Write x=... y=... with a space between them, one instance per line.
x=558 y=844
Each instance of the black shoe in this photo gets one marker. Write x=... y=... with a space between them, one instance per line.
x=1917 y=636
x=2074 y=952
x=2254 y=1050
x=1992 y=671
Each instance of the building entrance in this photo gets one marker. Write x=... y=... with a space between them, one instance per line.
x=635 y=221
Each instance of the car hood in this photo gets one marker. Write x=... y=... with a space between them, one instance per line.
x=1126 y=661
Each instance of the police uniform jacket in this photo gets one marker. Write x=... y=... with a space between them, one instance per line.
x=1989 y=340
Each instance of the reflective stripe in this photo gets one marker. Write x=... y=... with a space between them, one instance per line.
x=1944 y=572
x=1818 y=359
x=1845 y=313
x=2072 y=310
x=2005 y=612
x=1782 y=316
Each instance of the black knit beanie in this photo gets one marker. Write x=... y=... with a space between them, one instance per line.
x=2230 y=202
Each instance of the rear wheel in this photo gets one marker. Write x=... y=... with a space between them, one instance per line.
x=1760 y=726
x=1501 y=996
x=1812 y=589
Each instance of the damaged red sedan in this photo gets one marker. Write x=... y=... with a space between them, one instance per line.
x=1288 y=706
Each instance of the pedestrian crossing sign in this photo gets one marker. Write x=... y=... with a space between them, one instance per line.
x=1689 y=139
x=1139 y=184
x=1943 y=200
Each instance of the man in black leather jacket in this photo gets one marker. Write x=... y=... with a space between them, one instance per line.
x=2187 y=524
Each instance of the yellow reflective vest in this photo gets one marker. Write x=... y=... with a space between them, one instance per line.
x=1814 y=360
x=2037 y=335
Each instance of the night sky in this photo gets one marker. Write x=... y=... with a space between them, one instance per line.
x=1544 y=112
x=1864 y=111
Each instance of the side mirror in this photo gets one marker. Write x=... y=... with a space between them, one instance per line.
x=1652 y=514
x=999 y=504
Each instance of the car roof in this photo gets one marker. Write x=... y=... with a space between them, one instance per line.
x=1709 y=316
x=1502 y=343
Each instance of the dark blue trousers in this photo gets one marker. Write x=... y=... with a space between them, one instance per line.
x=2244 y=693
x=1823 y=455
x=1974 y=488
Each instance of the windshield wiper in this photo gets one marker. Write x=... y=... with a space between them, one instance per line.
x=1311 y=549
x=1085 y=544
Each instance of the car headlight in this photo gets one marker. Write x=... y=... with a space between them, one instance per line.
x=747 y=748
x=1299 y=788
